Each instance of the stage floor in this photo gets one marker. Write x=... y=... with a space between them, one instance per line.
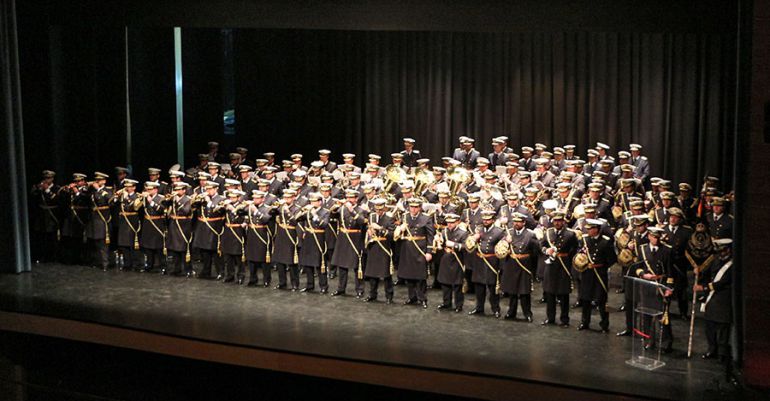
x=347 y=328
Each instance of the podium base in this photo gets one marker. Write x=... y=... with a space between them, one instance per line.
x=643 y=362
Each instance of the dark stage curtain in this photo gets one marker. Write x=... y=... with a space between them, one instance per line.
x=363 y=91
x=14 y=251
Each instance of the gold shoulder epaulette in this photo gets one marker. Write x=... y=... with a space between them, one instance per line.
x=606 y=237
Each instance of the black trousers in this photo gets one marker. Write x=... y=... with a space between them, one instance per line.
x=718 y=337
x=550 y=307
x=481 y=296
x=99 y=254
x=604 y=323
x=647 y=327
x=234 y=267
x=374 y=284
x=680 y=294
x=209 y=258
x=153 y=258
x=293 y=275
x=178 y=262
x=456 y=290
x=267 y=272
x=416 y=290
x=468 y=273
x=310 y=273
x=526 y=304
x=130 y=257
x=342 y=282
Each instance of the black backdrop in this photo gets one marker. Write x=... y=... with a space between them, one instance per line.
x=363 y=91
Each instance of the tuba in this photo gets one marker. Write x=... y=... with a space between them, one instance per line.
x=422 y=180
x=580 y=262
x=393 y=175
x=502 y=249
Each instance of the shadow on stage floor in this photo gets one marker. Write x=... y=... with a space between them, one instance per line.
x=347 y=329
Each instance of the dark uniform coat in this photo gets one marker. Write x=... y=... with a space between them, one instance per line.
x=601 y=253
x=258 y=238
x=722 y=227
x=719 y=307
x=286 y=242
x=99 y=223
x=76 y=211
x=379 y=252
x=450 y=271
x=179 y=223
x=525 y=249
x=208 y=228
x=234 y=234
x=349 y=248
x=313 y=243
x=154 y=223
x=48 y=211
x=129 y=221
x=557 y=278
x=482 y=273
x=411 y=263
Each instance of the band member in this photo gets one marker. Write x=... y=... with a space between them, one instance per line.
x=451 y=271
x=410 y=154
x=677 y=235
x=98 y=226
x=416 y=233
x=559 y=244
x=601 y=255
x=486 y=276
x=717 y=308
x=312 y=257
x=379 y=250
x=214 y=170
x=259 y=239
x=234 y=236
x=498 y=157
x=719 y=223
x=179 y=236
x=655 y=258
x=286 y=253
x=75 y=202
x=129 y=224
x=518 y=268
x=46 y=217
x=349 y=248
x=153 y=237
x=209 y=229
x=466 y=154
x=153 y=175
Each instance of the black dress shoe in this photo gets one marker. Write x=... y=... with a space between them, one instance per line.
x=266 y=285
x=370 y=299
x=228 y=280
x=528 y=318
x=622 y=307
x=425 y=304
x=497 y=314
x=458 y=309
x=649 y=346
x=332 y=275
x=388 y=301
x=541 y=301
x=582 y=327
x=605 y=330
x=240 y=281
x=547 y=322
x=709 y=355
x=410 y=302
x=577 y=305
x=294 y=289
x=337 y=293
x=219 y=277
x=510 y=316
x=443 y=306
x=324 y=290
x=279 y=287
x=306 y=289
x=619 y=291
x=624 y=333
x=359 y=295
x=476 y=311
